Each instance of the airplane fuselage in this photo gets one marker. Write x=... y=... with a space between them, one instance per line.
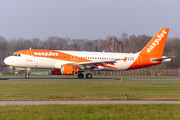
x=77 y=62
x=38 y=59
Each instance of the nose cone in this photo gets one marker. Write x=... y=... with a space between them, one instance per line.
x=7 y=61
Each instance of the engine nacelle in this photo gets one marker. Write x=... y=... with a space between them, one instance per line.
x=55 y=71
x=69 y=69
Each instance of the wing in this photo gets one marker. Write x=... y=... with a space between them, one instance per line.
x=95 y=64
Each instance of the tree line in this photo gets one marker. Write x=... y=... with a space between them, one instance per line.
x=125 y=44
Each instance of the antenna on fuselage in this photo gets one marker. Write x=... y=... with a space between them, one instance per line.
x=30 y=48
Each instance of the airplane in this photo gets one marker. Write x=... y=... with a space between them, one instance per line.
x=80 y=63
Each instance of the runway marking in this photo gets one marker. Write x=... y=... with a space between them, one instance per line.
x=2 y=103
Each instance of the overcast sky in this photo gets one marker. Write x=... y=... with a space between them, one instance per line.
x=90 y=19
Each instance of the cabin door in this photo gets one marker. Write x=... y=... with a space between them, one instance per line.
x=139 y=60
x=29 y=57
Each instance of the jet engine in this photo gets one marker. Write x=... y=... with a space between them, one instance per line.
x=55 y=71
x=69 y=69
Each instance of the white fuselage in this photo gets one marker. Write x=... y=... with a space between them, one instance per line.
x=33 y=61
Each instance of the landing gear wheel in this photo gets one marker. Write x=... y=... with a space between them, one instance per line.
x=27 y=76
x=80 y=75
x=89 y=76
x=27 y=73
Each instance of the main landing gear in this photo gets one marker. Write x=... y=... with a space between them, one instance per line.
x=80 y=75
x=88 y=75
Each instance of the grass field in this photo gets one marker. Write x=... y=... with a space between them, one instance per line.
x=88 y=90
x=91 y=112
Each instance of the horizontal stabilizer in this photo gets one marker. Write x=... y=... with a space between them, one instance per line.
x=161 y=59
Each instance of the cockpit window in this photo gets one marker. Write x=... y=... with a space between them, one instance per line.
x=16 y=55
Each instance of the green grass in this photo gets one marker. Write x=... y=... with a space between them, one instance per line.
x=72 y=76
x=88 y=90
x=91 y=112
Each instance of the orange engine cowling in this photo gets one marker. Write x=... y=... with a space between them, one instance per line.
x=69 y=69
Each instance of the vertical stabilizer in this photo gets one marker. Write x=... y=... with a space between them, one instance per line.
x=157 y=43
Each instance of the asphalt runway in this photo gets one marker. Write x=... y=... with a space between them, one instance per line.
x=2 y=103
x=93 y=79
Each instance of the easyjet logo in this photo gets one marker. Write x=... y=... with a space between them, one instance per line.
x=46 y=53
x=156 y=42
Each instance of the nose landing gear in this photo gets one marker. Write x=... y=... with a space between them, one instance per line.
x=27 y=73
x=26 y=76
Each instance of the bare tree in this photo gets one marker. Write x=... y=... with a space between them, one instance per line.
x=3 y=45
x=55 y=43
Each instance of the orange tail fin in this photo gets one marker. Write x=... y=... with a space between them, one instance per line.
x=157 y=43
